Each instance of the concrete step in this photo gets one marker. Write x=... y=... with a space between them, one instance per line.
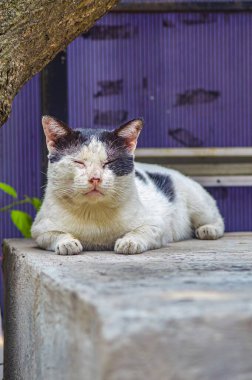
x=179 y=313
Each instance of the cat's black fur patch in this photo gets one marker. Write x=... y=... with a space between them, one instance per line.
x=122 y=162
x=111 y=140
x=163 y=183
x=140 y=176
x=68 y=145
x=73 y=142
x=123 y=165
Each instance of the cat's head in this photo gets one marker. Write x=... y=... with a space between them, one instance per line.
x=88 y=165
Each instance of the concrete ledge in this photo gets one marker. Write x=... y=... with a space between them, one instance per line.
x=180 y=313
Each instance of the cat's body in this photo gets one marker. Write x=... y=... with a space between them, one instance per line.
x=140 y=206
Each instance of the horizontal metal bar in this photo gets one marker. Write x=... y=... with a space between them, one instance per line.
x=219 y=169
x=224 y=181
x=236 y=152
x=209 y=166
x=186 y=6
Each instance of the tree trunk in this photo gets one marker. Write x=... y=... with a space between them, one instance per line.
x=32 y=32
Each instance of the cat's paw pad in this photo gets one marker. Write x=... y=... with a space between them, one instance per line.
x=207 y=232
x=69 y=247
x=129 y=246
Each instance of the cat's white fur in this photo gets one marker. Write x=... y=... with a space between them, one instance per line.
x=130 y=217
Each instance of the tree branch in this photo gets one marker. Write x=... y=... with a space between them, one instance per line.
x=32 y=32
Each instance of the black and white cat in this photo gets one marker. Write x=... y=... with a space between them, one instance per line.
x=97 y=198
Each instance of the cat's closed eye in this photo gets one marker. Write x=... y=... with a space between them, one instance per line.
x=108 y=162
x=79 y=163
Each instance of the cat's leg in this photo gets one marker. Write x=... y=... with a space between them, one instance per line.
x=60 y=242
x=139 y=240
x=205 y=217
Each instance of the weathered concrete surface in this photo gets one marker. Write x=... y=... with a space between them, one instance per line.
x=180 y=313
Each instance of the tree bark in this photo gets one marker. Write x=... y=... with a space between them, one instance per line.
x=32 y=32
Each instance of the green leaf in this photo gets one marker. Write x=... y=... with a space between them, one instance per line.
x=22 y=221
x=8 y=189
x=36 y=202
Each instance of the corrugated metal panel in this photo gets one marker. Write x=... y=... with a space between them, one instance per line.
x=189 y=75
x=20 y=154
x=182 y=6
x=235 y=205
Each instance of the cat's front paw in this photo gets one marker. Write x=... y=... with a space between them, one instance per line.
x=129 y=245
x=207 y=232
x=69 y=247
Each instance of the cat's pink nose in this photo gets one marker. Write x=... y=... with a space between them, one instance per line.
x=95 y=181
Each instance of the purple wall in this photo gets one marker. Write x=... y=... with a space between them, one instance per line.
x=20 y=152
x=235 y=204
x=190 y=77
x=20 y=143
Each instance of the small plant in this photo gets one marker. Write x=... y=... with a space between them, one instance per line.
x=22 y=220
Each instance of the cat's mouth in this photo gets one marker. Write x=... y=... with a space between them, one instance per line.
x=94 y=192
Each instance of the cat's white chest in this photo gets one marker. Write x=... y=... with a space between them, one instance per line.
x=101 y=233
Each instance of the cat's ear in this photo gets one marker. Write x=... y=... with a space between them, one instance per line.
x=130 y=132
x=54 y=129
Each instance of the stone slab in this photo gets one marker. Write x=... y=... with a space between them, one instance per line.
x=179 y=313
